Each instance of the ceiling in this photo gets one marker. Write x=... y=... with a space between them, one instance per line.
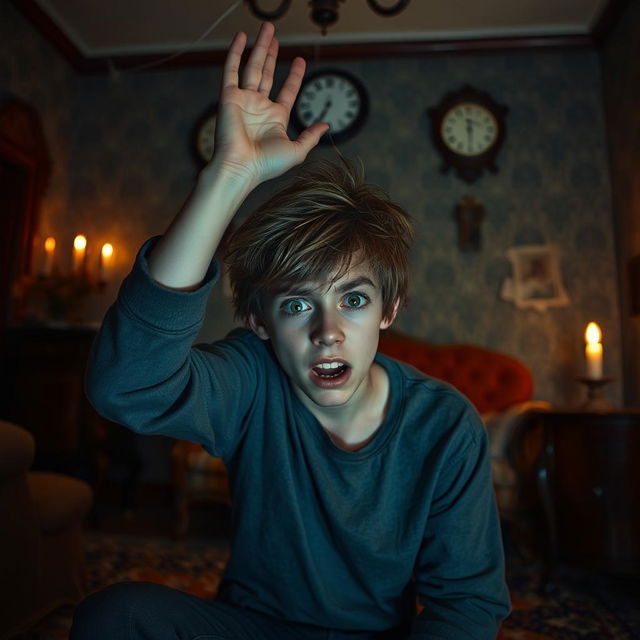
x=117 y=28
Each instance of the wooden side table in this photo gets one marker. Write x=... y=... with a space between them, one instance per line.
x=589 y=482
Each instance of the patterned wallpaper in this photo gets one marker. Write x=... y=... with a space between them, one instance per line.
x=32 y=70
x=130 y=168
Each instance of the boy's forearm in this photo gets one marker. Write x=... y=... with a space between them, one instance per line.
x=182 y=256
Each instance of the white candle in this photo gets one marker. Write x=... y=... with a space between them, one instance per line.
x=593 y=351
x=79 y=253
x=49 y=249
x=106 y=255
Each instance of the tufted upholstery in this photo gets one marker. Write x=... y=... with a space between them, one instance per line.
x=491 y=380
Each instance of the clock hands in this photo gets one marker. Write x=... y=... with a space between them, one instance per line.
x=325 y=110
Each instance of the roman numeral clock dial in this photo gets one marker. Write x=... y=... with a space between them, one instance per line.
x=468 y=129
x=332 y=96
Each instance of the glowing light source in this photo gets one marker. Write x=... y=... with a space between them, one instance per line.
x=104 y=267
x=79 y=253
x=593 y=351
x=49 y=249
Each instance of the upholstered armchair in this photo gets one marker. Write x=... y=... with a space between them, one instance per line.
x=41 y=541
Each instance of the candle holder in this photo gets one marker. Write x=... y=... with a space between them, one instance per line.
x=59 y=296
x=56 y=296
x=596 y=400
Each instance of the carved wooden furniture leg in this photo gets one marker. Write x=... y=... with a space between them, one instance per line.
x=544 y=479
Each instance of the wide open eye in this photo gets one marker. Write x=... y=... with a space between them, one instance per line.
x=355 y=301
x=294 y=306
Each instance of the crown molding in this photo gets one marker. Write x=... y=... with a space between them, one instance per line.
x=426 y=48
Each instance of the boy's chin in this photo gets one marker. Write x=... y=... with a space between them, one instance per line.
x=330 y=398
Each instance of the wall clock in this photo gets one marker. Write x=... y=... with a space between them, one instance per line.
x=468 y=128
x=204 y=135
x=333 y=96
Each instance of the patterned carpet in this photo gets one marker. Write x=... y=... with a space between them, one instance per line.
x=579 y=605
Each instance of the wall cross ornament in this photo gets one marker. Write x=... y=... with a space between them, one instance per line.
x=469 y=214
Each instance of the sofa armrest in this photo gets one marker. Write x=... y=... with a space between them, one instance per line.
x=17 y=450
x=515 y=444
x=506 y=428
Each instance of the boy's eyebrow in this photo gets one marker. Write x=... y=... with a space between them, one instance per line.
x=353 y=284
x=306 y=290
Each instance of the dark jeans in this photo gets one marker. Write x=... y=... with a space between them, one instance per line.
x=148 y=611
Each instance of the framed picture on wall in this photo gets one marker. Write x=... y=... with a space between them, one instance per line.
x=537 y=280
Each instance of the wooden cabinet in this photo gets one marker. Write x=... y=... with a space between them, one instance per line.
x=589 y=481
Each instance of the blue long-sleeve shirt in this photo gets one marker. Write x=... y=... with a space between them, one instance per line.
x=320 y=535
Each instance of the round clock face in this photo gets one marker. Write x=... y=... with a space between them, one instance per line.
x=205 y=138
x=469 y=129
x=334 y=97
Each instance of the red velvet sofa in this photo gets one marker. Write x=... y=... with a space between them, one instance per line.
x=491 y=380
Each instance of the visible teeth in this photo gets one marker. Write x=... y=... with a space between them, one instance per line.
x=329 y=365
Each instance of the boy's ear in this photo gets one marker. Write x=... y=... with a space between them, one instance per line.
x=387 y=322
x=258 y=327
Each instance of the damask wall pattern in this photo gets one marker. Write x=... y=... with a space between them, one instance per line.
x=32 y=70
x=131 y=167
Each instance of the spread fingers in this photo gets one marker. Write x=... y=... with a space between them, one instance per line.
x=232 y=61
x=291 y=86
x=252 y=76
x=269 y=67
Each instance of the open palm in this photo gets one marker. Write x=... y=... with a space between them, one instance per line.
x=251 y=129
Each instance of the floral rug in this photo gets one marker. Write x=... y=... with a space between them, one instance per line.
x=579 y=605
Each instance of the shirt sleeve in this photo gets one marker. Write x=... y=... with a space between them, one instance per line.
x=460 y=571
x=143 y=371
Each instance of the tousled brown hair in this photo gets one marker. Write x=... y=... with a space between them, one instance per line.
x=318 y=227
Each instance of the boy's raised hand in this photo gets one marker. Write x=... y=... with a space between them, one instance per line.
x=251 y=129
x=251 y=146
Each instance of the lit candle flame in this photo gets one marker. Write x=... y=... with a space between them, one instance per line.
x=49 y=248
x=592 y=334
x=104 y=265
x=79 y=254
x=593 y=351
x=107 y=250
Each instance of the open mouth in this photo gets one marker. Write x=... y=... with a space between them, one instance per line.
x=330 y=374
x=330 y=370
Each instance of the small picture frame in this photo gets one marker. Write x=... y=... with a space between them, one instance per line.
x=537 y=280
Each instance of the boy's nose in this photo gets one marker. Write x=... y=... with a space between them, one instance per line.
x=327 y=330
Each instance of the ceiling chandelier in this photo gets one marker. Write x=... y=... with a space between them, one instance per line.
x=323 y=12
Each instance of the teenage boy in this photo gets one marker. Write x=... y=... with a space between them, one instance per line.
x=357 y=483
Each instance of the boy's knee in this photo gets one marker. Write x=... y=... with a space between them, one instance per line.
x=110 y=612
